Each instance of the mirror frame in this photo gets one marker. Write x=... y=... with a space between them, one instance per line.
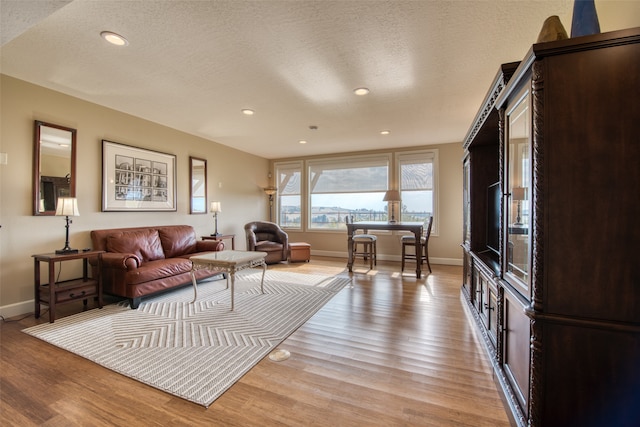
x=192 y=209
x=37 y=161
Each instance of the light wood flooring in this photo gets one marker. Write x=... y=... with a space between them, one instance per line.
x=389 y=351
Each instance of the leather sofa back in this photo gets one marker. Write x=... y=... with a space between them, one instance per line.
x=147 y=243
x=178 y=240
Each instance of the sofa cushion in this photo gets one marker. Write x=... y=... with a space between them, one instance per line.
x=178 y=240
x=268 y=246
x=158 y=269
x=145 y=244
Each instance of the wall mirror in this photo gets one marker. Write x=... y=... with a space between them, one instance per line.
x=54 y=166
x=198 y=190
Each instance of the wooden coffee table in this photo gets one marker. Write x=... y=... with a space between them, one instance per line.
x=228 y=262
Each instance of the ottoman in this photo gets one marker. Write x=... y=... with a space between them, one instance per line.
x=299 y=252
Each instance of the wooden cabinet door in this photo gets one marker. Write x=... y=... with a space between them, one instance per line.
x=479 y=289
x=491 y=309
x=466 y=273
x=516 y=354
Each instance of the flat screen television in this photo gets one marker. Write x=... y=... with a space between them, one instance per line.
x=494 y=195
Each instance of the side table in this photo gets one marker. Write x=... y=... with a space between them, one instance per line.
x=63 y=292
x=220 y=237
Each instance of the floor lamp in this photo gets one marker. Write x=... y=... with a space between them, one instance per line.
x=270 y=191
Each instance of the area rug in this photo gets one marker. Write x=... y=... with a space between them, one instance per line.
x=195 y=351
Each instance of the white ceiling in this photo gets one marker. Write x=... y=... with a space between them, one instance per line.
x=193 y=65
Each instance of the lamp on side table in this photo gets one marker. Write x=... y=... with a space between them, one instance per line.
x=67 y=206
x=215 y=208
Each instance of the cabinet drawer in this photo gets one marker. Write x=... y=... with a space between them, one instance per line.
x=77 y=289
x=66 y=294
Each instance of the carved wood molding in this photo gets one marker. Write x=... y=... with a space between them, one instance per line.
x=536 y=380
x=501 y=151
x=487 y=109
x=537 y=166
x=500 y=322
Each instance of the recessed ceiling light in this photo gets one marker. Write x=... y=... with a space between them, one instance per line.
x=248 y=112
x=114 y=38
x=361 y=91
x=302 y=141
x=385 y=132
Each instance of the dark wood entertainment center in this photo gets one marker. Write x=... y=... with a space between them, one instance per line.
x=549 y=273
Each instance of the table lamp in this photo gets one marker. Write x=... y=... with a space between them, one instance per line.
x=392 y=196
x=518 y=194
x=215 y=208
x=67 y=206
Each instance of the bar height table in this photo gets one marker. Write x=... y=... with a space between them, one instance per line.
x=414 y=227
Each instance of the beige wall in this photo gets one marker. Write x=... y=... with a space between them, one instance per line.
x=235 y=178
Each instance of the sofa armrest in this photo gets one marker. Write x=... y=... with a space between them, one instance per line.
x=283 y=237
x=251 y=240
x=209 y=245
x=120 y=261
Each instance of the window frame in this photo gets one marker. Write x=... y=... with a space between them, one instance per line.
x=394 y=159
x=296 y=166
x=344 y=162
x=419 y=156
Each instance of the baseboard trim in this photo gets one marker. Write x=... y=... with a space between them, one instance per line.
x=17 y=309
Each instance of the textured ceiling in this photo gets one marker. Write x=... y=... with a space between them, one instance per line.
x=193 y=65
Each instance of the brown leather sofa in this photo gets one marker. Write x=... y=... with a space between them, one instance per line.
x=267 y=237
x=142 y=261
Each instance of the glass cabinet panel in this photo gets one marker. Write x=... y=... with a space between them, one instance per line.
x=518 y=186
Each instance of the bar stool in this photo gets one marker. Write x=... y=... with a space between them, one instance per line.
x=411 y=241
x=369 y=246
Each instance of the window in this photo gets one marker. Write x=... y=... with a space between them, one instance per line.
x=347 y=186
x=288 y=206
x=355 y=185
x=416 y=178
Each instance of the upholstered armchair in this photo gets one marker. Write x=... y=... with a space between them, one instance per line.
x=267 y=237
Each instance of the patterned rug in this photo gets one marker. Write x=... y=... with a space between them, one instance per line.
x=195 y=351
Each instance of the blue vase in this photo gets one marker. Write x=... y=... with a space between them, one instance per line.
x=585 y=18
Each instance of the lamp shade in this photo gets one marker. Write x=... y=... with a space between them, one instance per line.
x=215 y=207
x=67 y=206
x=519 y=193
x=391 y=196
x=270 y=191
